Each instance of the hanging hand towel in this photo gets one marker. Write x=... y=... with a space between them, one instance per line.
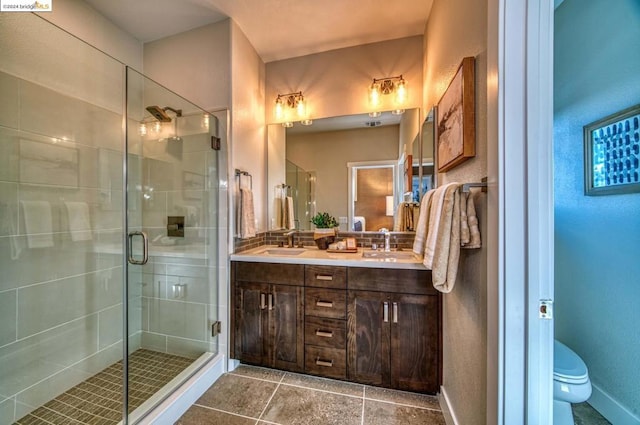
x=422 y=226
x=290 y=220
x=38 y=223
x=474 y=231
x=247 y=214
x=79 y=222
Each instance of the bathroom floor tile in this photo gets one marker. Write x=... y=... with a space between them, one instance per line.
x=323 y=384
x=382 y=413
x=258 y=373
x=584 y=414
x=197 y=415
x=238 y=394
x=302 y=406
x=401 y=397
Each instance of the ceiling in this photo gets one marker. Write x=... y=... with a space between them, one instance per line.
x=278 y=29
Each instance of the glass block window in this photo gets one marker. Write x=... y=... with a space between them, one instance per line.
x=612 y=154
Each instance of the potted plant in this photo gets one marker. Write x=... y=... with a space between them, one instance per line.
x=325 y=233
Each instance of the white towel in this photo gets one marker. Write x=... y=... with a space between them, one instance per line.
x=79 y=221
x=423 y=223
x=290 y=220
x=247 y=214
x=38 y=223
x=474 y=231
x=464 y=219
x=446 y=252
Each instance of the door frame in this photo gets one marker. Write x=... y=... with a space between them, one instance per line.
x=520 y=211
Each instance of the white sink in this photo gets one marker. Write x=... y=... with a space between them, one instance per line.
x=283 y=251
x=392 y=255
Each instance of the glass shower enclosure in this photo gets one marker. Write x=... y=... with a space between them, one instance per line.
x=108 y=232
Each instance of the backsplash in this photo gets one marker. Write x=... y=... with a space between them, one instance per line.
x=401 y=240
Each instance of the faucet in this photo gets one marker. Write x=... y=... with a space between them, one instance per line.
x=387 y=239
x=290 y=238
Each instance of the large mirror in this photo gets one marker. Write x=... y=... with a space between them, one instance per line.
x=357 y=168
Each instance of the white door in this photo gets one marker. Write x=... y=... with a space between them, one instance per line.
x=520 y=57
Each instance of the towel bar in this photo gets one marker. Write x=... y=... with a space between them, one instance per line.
x=467 y=186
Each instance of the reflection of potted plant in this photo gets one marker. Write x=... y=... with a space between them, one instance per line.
x=324 y=234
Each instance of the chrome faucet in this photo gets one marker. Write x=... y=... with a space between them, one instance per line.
x=387 y=239
x=290 y=238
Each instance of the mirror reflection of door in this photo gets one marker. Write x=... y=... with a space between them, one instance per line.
x=373 y=185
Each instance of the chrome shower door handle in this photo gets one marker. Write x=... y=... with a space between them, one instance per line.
x=145 y=248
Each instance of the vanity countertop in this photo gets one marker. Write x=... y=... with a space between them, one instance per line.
x=310 y=255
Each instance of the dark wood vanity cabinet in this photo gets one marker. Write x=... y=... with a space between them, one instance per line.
x=268 y=315
x=393 y=329
x=375 y=326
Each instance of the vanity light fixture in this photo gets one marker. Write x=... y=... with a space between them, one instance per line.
x=388 y=85
x=290 y=101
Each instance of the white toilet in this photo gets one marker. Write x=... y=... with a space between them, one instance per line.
x=571 y=383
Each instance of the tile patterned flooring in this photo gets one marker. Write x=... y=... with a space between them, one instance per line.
x=256 y=396
x=98 y=400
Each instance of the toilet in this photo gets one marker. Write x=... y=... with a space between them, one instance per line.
x=571 y=383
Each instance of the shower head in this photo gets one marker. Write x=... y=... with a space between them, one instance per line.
x=159 y=113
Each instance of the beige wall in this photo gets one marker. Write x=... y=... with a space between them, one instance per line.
x=83 y=21
x=336 y=82
x=328 y=153
x=248 y=138
x=203 y=55
x=458 y=28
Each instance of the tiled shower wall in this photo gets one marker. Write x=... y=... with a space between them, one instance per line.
x=60 y=290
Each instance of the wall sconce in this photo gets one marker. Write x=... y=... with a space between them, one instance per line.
x=388 y=85
x=286 y=103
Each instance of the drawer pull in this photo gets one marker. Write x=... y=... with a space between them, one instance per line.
x=321 y=303
x=324 y=277
x=324 y=334
x=326 y=363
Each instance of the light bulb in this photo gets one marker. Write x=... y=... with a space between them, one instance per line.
x=143 y=129
x=397 y=111
x=306 y=122
x=375 y=114
x=301 y=107
x=279 y=111
x=157 y=127
x=287 y=124
x=374 y=94
x=401 y=92
x=205 y=121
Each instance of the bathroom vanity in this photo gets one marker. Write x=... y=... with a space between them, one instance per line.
x=370 y=320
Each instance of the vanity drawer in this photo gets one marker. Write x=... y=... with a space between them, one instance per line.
x=329 y=362
x=321 y=332
x=406 y=281
x=330 y=303
x=325 y=277
x=278 y=273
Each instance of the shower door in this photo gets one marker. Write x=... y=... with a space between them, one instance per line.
x=171 y=239
x=79 y=288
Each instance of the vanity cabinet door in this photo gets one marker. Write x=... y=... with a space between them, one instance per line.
x=414 y=343
x=286 y=323
x=368 y=337
x=251 y=322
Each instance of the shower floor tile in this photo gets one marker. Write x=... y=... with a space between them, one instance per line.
x=98 y=400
